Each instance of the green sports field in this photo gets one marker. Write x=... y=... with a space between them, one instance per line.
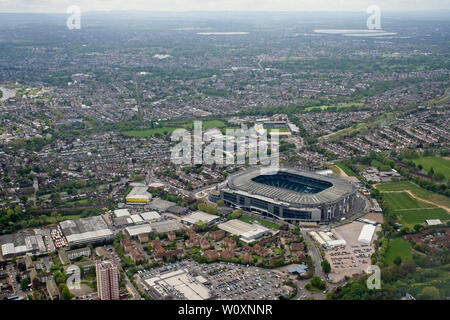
x=416 y=190
x=411 y=211
x=402 y=200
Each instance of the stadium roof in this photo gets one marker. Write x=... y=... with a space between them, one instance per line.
x=337 y=188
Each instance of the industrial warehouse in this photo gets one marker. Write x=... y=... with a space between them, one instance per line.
x=291 y=195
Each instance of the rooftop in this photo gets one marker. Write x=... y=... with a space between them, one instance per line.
x=308 y=188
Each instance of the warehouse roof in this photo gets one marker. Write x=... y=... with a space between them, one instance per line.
x=197 y=216
x=138 y=229
x=85 y=229
x=151 y=215
x=121 y=213
x=166 y=226
x=161 y=205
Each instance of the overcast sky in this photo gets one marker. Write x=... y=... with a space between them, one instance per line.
x=60 y=6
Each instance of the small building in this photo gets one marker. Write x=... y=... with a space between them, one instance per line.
x=143 y=237
x=82 y=252
x=178 y=210
x=433 y=222
x=230 y=243
x=211 y=254
x=217 y=235
x=126 y=245
x=171 y=235
x=62 y=254
x=227 y=254
x=52 y=290
x=137 y=256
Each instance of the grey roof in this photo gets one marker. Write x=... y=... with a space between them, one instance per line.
x=85 y=229
x=243 y=182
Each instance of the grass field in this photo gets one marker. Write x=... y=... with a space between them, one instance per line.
x=409 y=210
x=439 y=165
x=416 y=190
x=346 y=169
x=402 y=200
x=167 y=129
x=398 y=247
x=262 y=222
x=411 y=217
x=345 y=105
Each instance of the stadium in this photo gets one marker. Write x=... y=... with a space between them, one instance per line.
x=290 y=195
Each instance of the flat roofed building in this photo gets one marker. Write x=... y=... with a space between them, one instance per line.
x=366 y=234
x=85 y=230
x=138 y=195
x=151 y=216
x=121 y=213
x=246 y=231
x=197 y=216
x=134 y=231
x=179 y=283
x=161 y=205
x=52 y=290
x=82 y=252
x=166 y=226
x=434 y=222
x=136 y=218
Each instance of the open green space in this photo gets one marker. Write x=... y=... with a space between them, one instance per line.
x=335 y=108
x=262 y=222
x=398 y=247
x=346 y=169
x=403 y=200
x=411 y=217
x=439 y=165
x=416 y=190
x=411 y=211
x=169 y=127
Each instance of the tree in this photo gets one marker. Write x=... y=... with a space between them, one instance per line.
x=398 y=260
x=220 y=203
x=429 y=293
x=24 y=283
x=326 y=266
x=67 y=295
x=318 y=283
